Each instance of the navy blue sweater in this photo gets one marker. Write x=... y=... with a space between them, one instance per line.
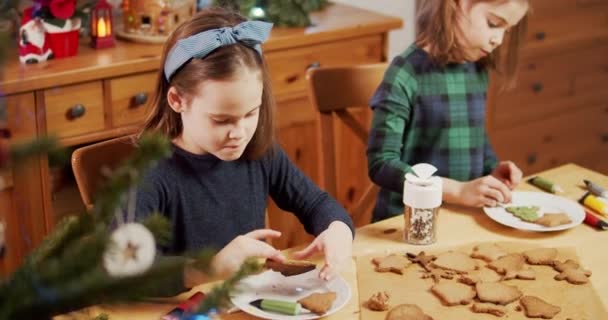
x=210 y=201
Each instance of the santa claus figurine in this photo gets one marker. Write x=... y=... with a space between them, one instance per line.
x=34 y=44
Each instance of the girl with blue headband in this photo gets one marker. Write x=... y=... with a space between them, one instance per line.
x=214 y=101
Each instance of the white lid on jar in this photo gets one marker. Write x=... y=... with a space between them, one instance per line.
x=421 y=189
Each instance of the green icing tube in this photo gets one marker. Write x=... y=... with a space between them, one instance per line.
x=544 y=184
x=279 y=306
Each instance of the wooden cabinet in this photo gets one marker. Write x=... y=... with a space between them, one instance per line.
x=100 y=94
x=21 y=197
x=559 y=110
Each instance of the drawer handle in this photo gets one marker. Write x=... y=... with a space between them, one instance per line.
x=76 y=111
x=540 y=36
x=537 y=87
x=314 y=65
x=140 y=99
x=605 y=138
x=531 y=159
x=5 y=133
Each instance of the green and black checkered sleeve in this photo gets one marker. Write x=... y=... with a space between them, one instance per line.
x=391 y=104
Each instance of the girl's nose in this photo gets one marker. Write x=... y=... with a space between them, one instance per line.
x=496 y=39
x=236 y=132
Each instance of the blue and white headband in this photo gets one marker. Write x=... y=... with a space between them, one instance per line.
x=249 y=33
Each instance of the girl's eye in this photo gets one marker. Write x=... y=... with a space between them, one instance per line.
x=220 y=121
x=492 y=24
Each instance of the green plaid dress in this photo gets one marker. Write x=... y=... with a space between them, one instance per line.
x=426 y=113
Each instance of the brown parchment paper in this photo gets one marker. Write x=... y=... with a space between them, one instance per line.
x=577 y=301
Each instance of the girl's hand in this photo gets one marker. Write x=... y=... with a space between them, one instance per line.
x=232 y=256
x=336 y=243
x=485 y=191
x=508 y=173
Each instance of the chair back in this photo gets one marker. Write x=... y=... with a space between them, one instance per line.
x=90 y=162
x=343 y=93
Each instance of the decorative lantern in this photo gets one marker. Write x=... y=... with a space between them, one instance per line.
x=101 y=26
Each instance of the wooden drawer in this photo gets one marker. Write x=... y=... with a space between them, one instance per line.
x=552 y=85
x=566 y=24
x=74 y=109
x=130 y=96
x=288 y=67
x=579 y=136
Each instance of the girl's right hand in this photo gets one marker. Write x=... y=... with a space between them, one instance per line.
x=486 y=191
x=250 y=245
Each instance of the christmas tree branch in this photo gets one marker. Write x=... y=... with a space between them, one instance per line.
x=151 y=148
x=220 y=295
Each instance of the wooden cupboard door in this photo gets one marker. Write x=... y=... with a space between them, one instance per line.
x=296 y=133
x=552 y=85
x=579 y=136
x=556 y=26
x=21 y=192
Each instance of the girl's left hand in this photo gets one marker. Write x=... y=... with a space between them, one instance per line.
x=336 y=243
x=508 y=173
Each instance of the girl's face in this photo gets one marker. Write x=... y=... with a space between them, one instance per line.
x=222 y=117
x=483 y=24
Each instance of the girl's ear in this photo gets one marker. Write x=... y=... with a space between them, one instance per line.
x=176 y=102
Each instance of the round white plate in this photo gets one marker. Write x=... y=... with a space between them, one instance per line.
x=548 y=203
x=272 y=285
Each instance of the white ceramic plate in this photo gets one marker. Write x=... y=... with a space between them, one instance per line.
x=548 y=203
x=273 y=285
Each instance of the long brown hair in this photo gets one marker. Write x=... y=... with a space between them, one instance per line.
x=222 y=64
x=436 y=23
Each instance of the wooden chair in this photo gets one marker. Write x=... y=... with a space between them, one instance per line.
x=339 y=91
x=88 y=161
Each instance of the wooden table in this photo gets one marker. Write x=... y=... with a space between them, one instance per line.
x=457 y=225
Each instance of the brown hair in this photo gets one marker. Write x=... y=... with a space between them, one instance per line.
x=222 y=64
x=436 y=21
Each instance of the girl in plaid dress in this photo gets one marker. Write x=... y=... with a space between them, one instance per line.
x=430 y=107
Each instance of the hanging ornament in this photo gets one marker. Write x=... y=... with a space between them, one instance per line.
x=132 y=251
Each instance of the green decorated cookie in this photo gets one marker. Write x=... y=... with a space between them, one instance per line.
x=525 y=213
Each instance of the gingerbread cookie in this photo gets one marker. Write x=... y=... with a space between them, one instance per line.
x=395 y=263
x=453 y=293
x=438 y=274
x=574 y=275
x=496 y=292
x=508 y=265
x=407 y=312
x=535 y=307
x=290 y=267
x=553 y=219
x=541 y=256
x=318 y=303
x=490 y=308
x=488 y=252
x=525 y=274
x=455 y=261
x=481 y=275
x=568 y=264
x=422 y=259
x=378 y=301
